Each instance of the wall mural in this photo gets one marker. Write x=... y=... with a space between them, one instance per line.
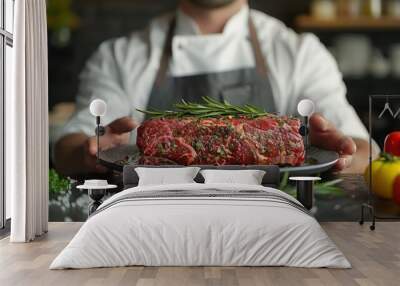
x=209 y=119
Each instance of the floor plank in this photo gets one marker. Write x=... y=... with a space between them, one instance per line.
x=375 y=257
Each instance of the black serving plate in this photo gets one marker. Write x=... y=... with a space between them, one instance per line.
x=318 y=160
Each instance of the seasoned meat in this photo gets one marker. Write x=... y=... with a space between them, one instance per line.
x=221 y=141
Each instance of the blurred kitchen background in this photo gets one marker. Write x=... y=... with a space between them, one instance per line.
x=363 y=35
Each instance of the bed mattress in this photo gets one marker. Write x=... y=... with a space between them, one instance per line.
x=201 y=225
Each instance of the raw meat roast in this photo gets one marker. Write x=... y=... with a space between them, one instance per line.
x=222 y=140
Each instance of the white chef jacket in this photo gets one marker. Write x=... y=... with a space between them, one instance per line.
x=122 y=71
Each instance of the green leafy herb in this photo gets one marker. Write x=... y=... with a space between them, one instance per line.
x=57 y=184
x=208 y=108
x=198 y=145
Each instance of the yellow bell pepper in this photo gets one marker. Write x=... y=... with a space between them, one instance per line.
x=385 y=170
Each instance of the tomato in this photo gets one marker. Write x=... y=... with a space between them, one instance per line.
x=385 y=171
x=396 y=190
x=392 y=143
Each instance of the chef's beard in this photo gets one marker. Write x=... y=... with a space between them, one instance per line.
x=211 y=4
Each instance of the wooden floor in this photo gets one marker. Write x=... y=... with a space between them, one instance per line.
x=375 y=257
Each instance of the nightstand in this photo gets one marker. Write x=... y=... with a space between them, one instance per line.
x=305 y=190
x=96 y=190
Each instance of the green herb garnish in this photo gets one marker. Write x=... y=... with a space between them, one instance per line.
x=208 y=108
x=57 y=183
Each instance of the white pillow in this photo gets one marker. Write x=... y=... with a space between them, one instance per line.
x=246 y=177
x=166 y=176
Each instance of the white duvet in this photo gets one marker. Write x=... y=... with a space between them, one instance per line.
x=200 y=232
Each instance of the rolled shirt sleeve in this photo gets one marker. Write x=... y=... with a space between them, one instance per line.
x=101 y=78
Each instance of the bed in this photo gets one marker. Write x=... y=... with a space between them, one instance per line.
x=197 y=224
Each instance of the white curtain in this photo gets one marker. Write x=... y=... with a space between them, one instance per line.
x=27 y=124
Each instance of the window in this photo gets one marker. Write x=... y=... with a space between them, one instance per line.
x=6 y=64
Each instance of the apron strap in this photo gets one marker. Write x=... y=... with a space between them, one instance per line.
x=261 y=65
x=166 y=55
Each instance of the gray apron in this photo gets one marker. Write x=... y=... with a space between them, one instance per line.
x=239 y=87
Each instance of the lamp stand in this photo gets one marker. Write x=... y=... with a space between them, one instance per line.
x=97 y=199
x=304 y=131
x=100 y=131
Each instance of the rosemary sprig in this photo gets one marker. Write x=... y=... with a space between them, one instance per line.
x=208 y=108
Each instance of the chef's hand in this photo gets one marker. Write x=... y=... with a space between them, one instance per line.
x=75 y=153
x=116 y=133
x=324 y=135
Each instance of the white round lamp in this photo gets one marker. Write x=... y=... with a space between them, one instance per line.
x=306 y=107
x=98 y=107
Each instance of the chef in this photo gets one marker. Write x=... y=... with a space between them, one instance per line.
x=217 y=48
